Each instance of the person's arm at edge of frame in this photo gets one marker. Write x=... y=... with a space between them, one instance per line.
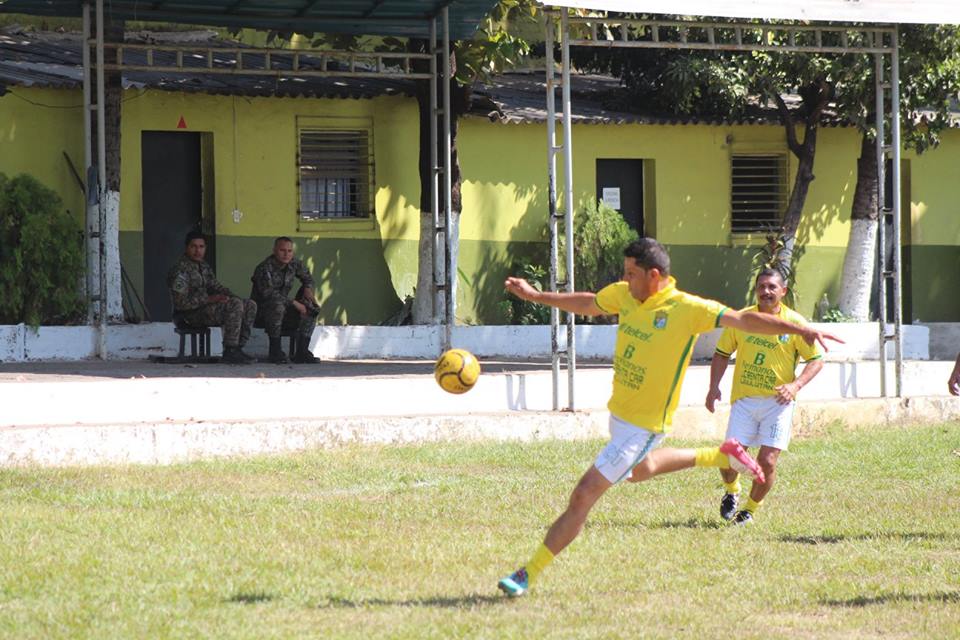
x=756 y=322
x=954 y=382
x=788 y=392
x=579 y=302
x=718 y=367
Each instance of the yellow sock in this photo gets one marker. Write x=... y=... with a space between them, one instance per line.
x=752 y=505
x=541 y=558
x=732 y=487
x=711 y=457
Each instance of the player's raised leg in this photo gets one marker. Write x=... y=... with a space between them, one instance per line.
x=729 y=455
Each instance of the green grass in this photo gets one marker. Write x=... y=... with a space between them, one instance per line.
x=859 y=539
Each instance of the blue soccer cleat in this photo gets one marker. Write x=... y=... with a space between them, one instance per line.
x=516 y=584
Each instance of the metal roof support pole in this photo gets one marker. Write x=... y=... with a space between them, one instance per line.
x=101 y=185
x=438 y=230
x=881 y=219
x=552 y=150
x=897 y=275
x=448 y=223
x=92 y=223
x=568 y=204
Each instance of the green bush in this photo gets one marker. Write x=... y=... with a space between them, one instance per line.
x=41 y=255
x=519 y=311
x=600 y=234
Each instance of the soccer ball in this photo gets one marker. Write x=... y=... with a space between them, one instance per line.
x=457 y=371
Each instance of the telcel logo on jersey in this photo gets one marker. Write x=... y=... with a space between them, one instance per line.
x=660 y=320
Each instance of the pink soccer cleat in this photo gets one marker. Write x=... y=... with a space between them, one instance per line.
x=740 y=460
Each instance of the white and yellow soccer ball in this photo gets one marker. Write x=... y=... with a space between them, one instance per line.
x=457 y=370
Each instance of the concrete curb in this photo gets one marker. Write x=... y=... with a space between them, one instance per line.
x=172 y=442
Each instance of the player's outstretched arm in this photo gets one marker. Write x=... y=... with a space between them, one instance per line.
x=756 y=322
x=579 y=302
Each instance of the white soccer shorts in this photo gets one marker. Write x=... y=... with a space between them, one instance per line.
x=628 y=445
x=761 y=421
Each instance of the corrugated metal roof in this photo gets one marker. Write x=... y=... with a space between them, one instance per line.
x=373 y=17
x=862 y=11
x=515 y=98
x=53 y=61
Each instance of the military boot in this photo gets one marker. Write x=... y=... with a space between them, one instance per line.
x=233 y=355
x=277 y=356
x=303 y=355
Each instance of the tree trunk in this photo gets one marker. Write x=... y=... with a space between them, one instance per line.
x=798 y=197
x=859 y=264
x=815 y=96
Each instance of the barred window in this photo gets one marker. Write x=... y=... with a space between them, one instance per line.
x=759 y=193
x=336 y=174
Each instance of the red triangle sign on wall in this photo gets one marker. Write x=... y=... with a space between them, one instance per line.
x=182 y=124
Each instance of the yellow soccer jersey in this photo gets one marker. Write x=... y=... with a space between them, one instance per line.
x=765 y=361
x=654 y=344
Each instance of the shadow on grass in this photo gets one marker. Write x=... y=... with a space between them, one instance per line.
x=253 y=597
x=471 y=600
x=691 y=523
x=946 y=597
x=881 y=535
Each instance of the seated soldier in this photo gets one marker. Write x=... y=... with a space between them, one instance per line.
x=200 y=300
x=272 y=280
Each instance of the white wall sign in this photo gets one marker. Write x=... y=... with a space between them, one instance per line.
x=611 y=197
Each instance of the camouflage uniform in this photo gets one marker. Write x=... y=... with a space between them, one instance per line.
x=272 y=281
x=191 y=283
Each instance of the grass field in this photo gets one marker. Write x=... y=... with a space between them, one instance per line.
x=860 y=539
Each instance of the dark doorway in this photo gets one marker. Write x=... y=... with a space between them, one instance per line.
x=172 y=206
x=620 y=185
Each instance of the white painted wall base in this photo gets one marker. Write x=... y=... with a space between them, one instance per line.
x=594 y=342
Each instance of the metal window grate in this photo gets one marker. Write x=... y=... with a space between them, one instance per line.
x=336 y=174
x=759 y=192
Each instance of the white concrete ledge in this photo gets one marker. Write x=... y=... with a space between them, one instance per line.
x=182 y=442
x=593 y=342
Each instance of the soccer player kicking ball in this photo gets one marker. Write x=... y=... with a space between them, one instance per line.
x=765 y=387
x=658 y=326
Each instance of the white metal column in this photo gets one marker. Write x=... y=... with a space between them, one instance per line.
x=892 y=276
x=450 y=290
x=101 y=174
x=555 y=213
x=568 y=204
x=439 y=243
x=92 y=191
x=897 y=273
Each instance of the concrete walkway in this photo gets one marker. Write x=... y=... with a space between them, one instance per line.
x=140 y=412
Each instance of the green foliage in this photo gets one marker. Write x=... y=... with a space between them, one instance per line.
x=519 y=311
x=599 y=235
x=769 y=257
x=834 y=314
x=41 y=255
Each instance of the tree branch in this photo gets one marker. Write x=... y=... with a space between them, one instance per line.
x=787 y=118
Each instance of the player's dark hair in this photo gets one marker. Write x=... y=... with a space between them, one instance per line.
x=770 y=271
x=649 y=254
x=282 y=239
x=194 y=235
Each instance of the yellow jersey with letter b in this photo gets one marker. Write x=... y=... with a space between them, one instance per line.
x=654 y=344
